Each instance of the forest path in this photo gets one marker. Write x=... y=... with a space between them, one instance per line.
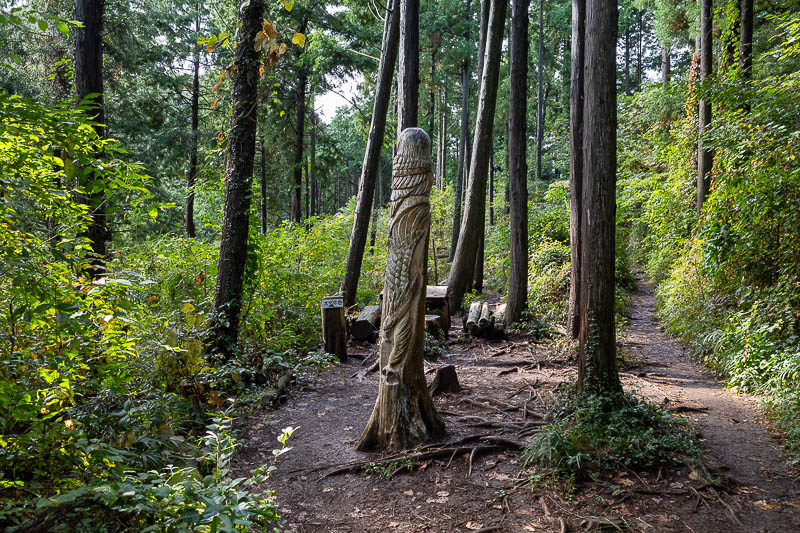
x=505 y=383
x=737 y=443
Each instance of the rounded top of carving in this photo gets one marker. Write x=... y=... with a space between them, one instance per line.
x=414 y=143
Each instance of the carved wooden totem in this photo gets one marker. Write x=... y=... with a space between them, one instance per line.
x=404 y=414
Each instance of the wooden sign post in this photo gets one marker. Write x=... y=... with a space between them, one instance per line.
x=334 y=329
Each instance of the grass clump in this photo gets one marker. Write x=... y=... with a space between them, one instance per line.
x=592 y=433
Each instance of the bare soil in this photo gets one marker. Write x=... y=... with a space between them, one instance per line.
x=472 y=480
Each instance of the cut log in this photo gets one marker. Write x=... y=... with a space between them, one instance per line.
x=445 y=380
x=365 y=326
x=483 y=321
x=500 y=313
x=473 y=317
x=433 y=325
x=334 y=329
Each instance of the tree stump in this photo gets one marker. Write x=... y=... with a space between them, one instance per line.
x=365 y=326
x=433 y=325
x=473 y=317
x=445 y=380
x=404 y=414
x=334 y=329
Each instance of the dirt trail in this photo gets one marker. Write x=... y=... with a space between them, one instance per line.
x=479 y=488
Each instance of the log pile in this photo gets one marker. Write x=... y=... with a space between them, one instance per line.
x=483 y=321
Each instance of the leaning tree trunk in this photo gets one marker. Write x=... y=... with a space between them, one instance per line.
x=88 y=73
x=576 y=164
x=461 y=273
x=517 y=162
x=224 y=323
x=597 y=361
x=480 y=234
x=372 y=155
x=192 y=174
x=463 y=141
x=299 y=136
x=705 y=156
x=404 y=414
x=408 y=66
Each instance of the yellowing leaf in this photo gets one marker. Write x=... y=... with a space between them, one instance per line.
x=221 y=136
x=288 y=4
x=259 y=41
x=299 y=39
x=260 y=69
x=214 y=103
x=269 y=31
x=282 y=49
x=188 y=307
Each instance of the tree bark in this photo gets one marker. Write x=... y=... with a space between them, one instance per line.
x=597 y=362
x=404 y=414
x=299 y=136
x=492 y=169
x=192 y=174
x=313 y=165
x=461 y=273
x=746 y=38
x=666 y=68
x=517 y=162
x=627 y=56
x=408 y=66
x=705 y=156
x=540 y=95
x=88 y=73
x=576 y=164
x=639 y=35
x=224 y=323
x=372 y=155
x=483 y=24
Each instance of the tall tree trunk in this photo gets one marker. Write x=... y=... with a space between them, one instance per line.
x=627 y=56
x=483 y=25
x=372 y=155
x=517 y=162
x=746 y=38
x=441 y=143
x=639 y=35
x=597 y=360
x=705 y=156
x=88 y=72
x=263 y=188
x=299 y=136
x=224 y=327
x=461 y=273
x=576 y=164
x=408 y=66
x=540 y=95
x=192 y=174
x=463 y=141
x=480 y=234
x=666 y=68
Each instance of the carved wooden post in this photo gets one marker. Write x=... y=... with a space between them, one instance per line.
x=334 y=329
x=404 y=414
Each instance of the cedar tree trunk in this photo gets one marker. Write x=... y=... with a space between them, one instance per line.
x=705 y=156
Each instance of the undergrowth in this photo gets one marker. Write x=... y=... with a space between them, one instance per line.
x=590 y=434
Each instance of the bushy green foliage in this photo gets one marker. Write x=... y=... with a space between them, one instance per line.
x=594 y=433
x=730 y=282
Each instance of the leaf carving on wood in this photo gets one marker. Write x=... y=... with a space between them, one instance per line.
x=412 y=178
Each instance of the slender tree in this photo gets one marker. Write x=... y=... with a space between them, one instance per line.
x=597 y=361
x=540 y=95
x=666 y=67
x=746 y=38
x=705 y=155
x=576 y=163
x=480 y=233
x=89 y=81
x=517 y=161
x=299 y=133
x=462 y=270
x=192 y=173
x=372 y=155
x=408 y=66
x=224 y=323
x=463 y=142
x=263 y=189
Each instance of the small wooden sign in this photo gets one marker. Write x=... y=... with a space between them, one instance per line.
x=332 y=302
